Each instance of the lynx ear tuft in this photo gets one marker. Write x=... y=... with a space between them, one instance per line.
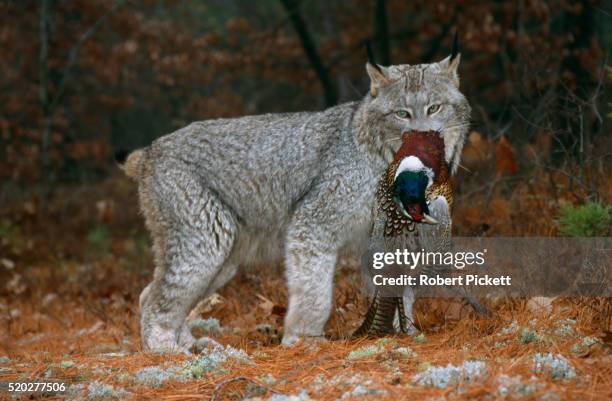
x=455 y=51
x=378 y=77
x=370 y=54
x=450 y=65
x=378 y=74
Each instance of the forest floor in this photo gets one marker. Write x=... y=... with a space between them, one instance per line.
x=73 y=268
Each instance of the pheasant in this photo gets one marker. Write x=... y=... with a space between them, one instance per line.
x=415 y=198
x=418 y=175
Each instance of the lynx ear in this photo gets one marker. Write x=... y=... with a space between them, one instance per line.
x=378 y=77
x=450 y=65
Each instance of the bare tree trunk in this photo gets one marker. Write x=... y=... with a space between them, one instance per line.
x=328 y=11
x=295 y=15
x=574 y=126
x=381 y=24
x=48 y=102
x=44 y=83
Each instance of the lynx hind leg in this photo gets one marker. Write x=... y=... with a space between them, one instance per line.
x=198 y=235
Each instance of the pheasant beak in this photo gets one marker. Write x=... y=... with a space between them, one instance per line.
x=428 y=219
x=416 y=212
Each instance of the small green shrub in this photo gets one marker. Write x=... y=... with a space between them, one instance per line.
x=99 y=237
x=590 y=220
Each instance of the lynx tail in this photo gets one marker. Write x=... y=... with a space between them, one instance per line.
x=132 y=164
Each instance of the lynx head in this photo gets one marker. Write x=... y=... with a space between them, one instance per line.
x=423 y=97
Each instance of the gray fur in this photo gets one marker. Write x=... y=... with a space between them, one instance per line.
x=222 y=193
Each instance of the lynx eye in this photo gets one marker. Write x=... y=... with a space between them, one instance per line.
x=433 y=109
x=402 y=114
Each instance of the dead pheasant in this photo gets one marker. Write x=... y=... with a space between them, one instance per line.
x=415 y=197
x=418 y=175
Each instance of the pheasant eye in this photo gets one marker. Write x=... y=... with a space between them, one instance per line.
x=402 y=114
x=434 y=108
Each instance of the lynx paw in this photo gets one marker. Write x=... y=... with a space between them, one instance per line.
x=292 y=340
x=160 y=340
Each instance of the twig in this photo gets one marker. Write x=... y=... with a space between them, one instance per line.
x=236 y=379
x=75 y=50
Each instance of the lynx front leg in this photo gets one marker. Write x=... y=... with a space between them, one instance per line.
x=310 y=265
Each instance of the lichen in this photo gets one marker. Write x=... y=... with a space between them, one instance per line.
x=556 y=365
x=565 y=327
x=301 y=396
x=385 y=341
x=366 y=351
x=66 y=364
x=510 y=329
x=113 y=355
x=75 y=392
x=403 y=353
x=211 y=359
x=361 y=390
x=500 y=344
x=261 y=355
x=154 y=376
x=268 y=379
x=528 y=336
x=585 y=344
x=514 y=387
x=421 y=338
x=100 y=391
x=442 y=377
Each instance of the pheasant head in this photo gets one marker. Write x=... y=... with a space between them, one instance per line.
x=417 y=176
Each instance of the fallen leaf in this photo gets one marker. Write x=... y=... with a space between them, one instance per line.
x=540 y=305
x=505 y=158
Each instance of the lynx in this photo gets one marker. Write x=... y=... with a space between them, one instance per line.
x=222 y=193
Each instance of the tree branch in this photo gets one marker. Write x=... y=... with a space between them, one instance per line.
x=43 y=74
x=330 y=92
x=73 y=55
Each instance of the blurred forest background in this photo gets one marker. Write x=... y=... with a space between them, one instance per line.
x=83 y=79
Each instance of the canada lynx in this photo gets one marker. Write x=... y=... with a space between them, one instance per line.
x=221 y=193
